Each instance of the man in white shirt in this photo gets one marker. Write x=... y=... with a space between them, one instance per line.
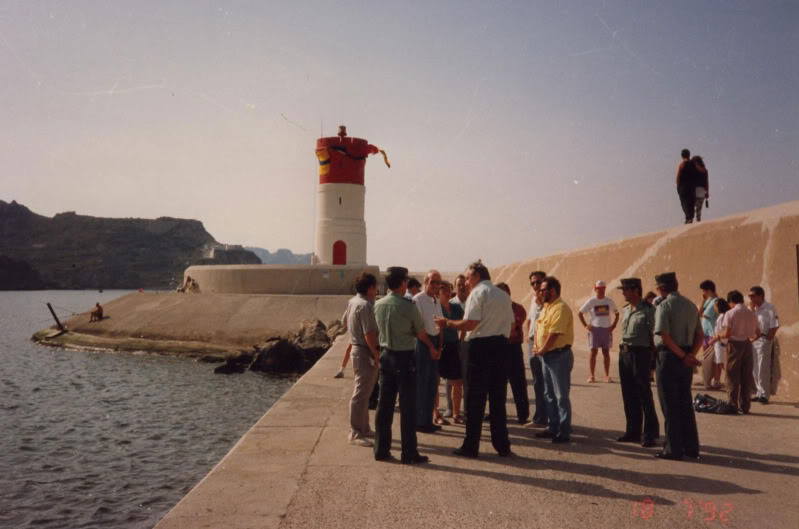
x=488 y=319
x=768 y=322
x=427 y=360
x=536 y=366
x=600 y=329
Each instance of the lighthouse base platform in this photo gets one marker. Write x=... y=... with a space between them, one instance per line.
x=278 y=279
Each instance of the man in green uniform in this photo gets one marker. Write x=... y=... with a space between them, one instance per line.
x=400 y=324
x=678 y=337
x=635 y=358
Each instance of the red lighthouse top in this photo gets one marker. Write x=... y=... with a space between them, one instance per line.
x=342 y=158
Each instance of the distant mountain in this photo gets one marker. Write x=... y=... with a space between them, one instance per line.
x=79 y=251
x=19 y=275
x=281 y=256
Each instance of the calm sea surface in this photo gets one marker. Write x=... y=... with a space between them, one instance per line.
x=102 y=439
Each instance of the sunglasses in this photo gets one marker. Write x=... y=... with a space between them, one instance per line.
x=534 y=283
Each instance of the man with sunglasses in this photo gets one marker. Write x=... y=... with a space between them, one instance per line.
x=536 y=367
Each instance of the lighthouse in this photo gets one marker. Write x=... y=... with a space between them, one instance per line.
x=340 y=237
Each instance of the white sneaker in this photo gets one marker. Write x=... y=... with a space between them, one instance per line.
x=360 y=441
x=339 y=374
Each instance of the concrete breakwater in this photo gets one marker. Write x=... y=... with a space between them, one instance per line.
x=195 y=325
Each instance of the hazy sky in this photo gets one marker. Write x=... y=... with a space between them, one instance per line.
x=515 y=129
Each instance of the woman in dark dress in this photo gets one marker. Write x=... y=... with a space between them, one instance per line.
x=449 y=366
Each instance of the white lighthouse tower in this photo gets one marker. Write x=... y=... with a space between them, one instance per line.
x=340 y=227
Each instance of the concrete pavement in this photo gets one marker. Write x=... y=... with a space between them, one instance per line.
x=294 y=468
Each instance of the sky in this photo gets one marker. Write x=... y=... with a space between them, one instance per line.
x=514 y=129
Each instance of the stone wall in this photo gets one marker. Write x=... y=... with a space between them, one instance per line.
x=758 y=247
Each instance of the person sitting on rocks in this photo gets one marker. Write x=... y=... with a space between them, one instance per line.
x=96 y=314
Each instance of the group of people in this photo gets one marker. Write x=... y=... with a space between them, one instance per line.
x=693 y=186
x=471 y=333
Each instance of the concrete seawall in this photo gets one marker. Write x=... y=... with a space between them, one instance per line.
x=758 y=247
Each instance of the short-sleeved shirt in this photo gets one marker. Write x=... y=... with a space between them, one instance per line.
x=555 y=318
x=491 y=308
x=600 y=311
x=741 y=322
x=398 y=322
x=455 y=312
x=676 y=315
x=719 y=327
x=709 y=322
x=429 y=307
x=517 y=330
x=360 y=319
x=535 y=311
x=638 y=324
x=767 y=317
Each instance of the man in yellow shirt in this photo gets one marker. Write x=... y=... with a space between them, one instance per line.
x=554 y=335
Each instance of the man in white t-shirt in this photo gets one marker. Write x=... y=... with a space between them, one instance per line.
x=600 y=328
x=768 y=323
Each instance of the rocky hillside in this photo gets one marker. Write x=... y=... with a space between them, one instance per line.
x=281 y=256
x=78 y=251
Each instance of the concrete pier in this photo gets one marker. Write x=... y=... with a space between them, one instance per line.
x=294 y=468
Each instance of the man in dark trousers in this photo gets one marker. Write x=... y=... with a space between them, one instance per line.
x=487 y=319
x=515 y=359
x=635 y=359
x=678 y=337
x=400 y=324
x=687 y=177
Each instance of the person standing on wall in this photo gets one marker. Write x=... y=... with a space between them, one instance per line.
x=399 y=325
x=686 y=185
x=488 y=319
x=678 y=337
x=635 y=359
x=600 y=329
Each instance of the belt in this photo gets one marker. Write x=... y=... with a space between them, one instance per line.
x=687 y=349
x=387 y=350
x=627 y=348
x=559 y=349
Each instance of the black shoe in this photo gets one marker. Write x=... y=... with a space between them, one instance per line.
x=546 y=434
x=561 y=439
x=648 y=443
x=671 y=457
x=763 y=400
x=465 y=453
x=433 y=428
x=692 y=455
x=522 y=421
x=506 y=453
x=415 y=460
x=627 y=438
x=387 y=457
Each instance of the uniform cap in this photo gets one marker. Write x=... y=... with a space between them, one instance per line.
x=666 y=278
x=399 y=272
x=631 y=282
x=599 y=284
